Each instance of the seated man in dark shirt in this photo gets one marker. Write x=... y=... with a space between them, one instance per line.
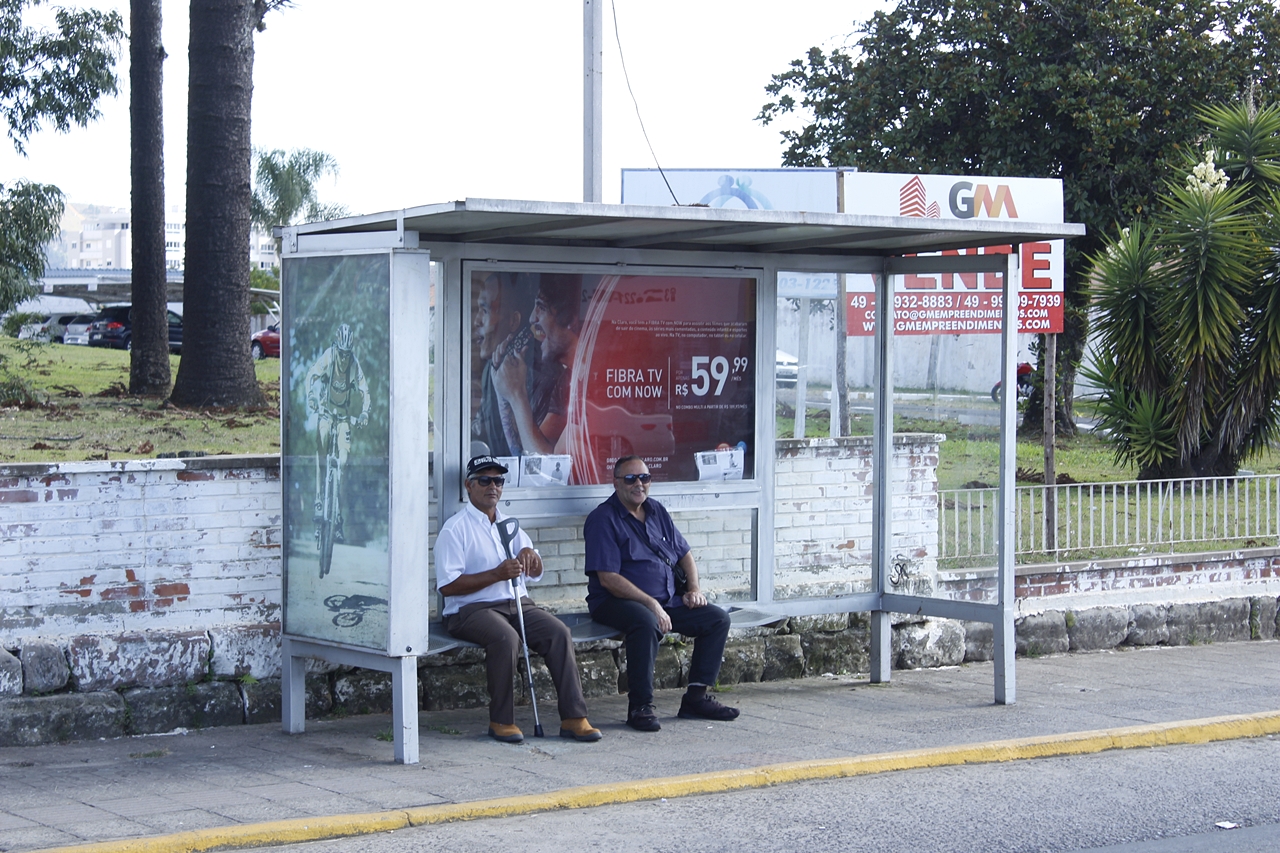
x=632 y=548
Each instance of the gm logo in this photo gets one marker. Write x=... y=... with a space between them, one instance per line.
x=966 y=200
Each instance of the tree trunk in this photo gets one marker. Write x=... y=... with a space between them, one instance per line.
x=217 y=368
x=149 y=361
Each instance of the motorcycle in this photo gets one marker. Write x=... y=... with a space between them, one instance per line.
x=1025 y=386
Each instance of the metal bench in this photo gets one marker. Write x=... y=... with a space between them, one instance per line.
x=586 y=630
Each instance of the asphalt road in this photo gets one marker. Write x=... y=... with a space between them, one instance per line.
x=1137 y=801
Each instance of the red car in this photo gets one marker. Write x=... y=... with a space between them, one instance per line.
x=267 y=342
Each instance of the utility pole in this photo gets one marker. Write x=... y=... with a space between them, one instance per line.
x=592 y=100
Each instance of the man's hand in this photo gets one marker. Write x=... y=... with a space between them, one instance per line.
x=694 y=599
x=659 y=613
x=508 y=570
x=530 y=562
x=363 y=420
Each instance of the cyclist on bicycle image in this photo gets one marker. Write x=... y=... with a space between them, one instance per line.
x=333 y=385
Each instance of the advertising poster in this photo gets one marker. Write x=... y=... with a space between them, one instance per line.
x=335 y=470
x=968 y=303
x=570 y=372
x=740 y=189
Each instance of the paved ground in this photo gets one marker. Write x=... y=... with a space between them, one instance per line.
x=152 y=786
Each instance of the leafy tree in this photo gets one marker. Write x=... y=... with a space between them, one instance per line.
x=1189 y=302
x=149 y=359
x=59 y=76
x=216 y=367
x=45 y=76
x=1099 y=93
x=30 y=215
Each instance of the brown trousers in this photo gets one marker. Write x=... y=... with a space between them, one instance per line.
x=496 y=627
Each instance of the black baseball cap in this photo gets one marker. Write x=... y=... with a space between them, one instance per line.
x=481 y=463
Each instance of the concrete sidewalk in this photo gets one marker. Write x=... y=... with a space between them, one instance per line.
x=141 y=787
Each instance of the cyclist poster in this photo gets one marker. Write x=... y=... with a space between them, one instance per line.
x=572 y=371
x=335 y=380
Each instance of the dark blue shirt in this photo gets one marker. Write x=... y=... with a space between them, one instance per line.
x=618 y=542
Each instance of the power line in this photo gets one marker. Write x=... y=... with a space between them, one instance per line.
x=618 y=38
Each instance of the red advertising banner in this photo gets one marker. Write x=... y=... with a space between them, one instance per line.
x=962 y=303
x=571 y=372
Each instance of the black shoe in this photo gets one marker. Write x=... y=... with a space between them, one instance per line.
x=338 y=536
x=706 y=708
x=643 y=719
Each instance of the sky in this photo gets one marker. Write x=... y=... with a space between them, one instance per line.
x=424 y=101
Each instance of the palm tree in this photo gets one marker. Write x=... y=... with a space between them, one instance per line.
x=217 y=367
x=1190 y=310
x=285 y=188
x=149 y=360
x=285 y=185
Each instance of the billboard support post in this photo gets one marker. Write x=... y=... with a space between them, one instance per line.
x=1050 y=440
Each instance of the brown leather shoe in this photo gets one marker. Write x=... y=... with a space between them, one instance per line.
x=579 y=729
x=505 y=733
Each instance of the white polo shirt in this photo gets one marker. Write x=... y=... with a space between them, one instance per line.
x=468 y=544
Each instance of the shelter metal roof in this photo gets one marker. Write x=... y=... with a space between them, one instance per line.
x=543 y=223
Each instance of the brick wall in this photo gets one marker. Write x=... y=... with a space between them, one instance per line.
x=181 y=544
x=1149 y=579
x=154 y=572
x=125 y=546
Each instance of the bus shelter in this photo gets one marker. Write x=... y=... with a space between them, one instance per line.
x=561 y=336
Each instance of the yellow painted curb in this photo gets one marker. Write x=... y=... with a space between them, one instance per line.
x=339 y=826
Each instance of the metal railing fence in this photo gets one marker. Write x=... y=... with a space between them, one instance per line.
x=1099 y=520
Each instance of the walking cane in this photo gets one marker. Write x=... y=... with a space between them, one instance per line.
x=507 y=530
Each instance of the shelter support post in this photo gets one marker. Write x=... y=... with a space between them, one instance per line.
x=1003 y=629
x=404 y=688
x=404 y=709
x=881 y=460
x=293 y=699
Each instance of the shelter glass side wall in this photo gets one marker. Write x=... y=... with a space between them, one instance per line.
x=940 y=326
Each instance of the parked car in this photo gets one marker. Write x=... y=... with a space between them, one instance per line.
x=786 y=369
x=266 y=342
x=76 y=332
x=114 y=328
x=31 y=331
x=53 y=329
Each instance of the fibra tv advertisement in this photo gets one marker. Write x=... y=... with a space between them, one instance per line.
x=570 y=371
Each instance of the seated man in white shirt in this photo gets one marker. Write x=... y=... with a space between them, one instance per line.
x=475 y=576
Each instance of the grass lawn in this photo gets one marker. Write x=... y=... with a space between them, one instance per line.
x=84 y=411
x=972 y=453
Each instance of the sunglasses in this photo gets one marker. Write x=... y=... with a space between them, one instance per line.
x=630 y=479
x=487 y=480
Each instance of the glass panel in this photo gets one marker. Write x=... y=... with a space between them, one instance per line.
x=570 y=371
x=946 y=467
x=823 y=509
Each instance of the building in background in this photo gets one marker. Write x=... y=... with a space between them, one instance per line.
x=96 y=237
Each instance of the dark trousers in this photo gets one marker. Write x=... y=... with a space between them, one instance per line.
x=496 y=627
x=708 y=625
